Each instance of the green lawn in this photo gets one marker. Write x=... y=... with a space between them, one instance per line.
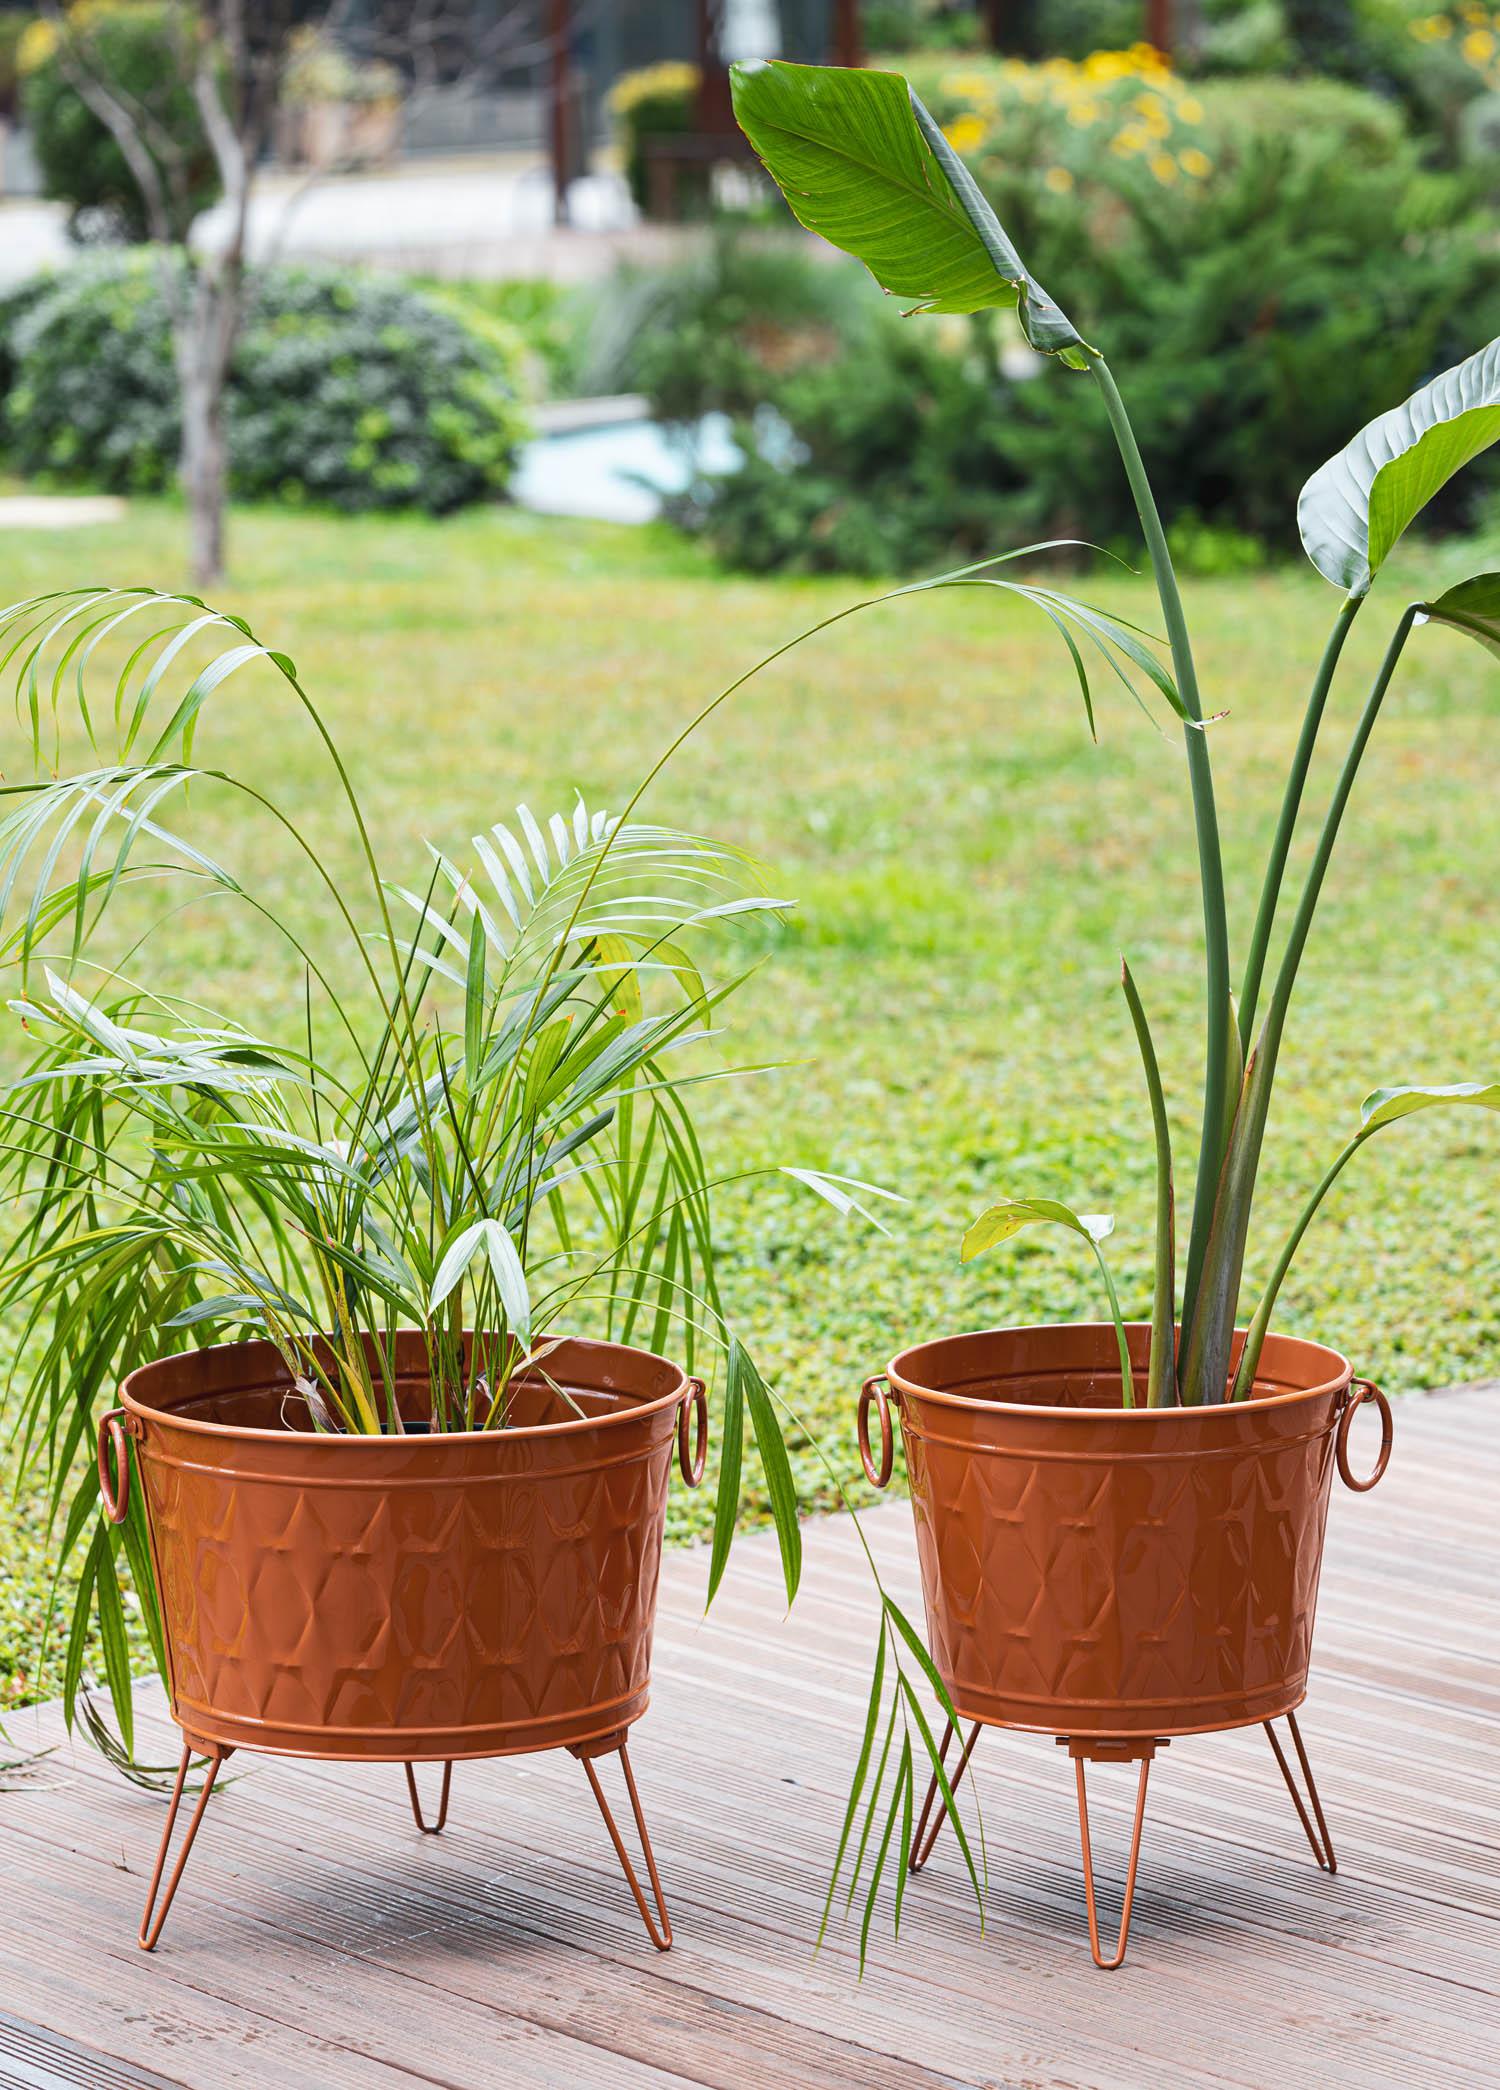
x=968 y=868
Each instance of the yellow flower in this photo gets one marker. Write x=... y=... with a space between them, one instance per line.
x=1164 y=167
x=969 y=87
x=1478 y=46
x=1153 y=114
x=38 y=42
x=1084 y=114
x=669 y=78
x=1432 y=29
x=1104 y=65
x=1196 y=163
x=1190 y=109
x=965 y=133
x=1131 y=139
x=1058 y=180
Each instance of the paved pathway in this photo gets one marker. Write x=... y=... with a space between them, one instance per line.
x=489 y=218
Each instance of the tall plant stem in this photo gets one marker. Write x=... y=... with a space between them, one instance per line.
x=1270 y=892
x=1286 y=978
x=1261 y=1321
x=1206 y=1347
x=1127 y=1375
x=1210 y=859
x=1161 y=1375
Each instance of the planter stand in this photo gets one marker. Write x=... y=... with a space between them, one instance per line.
x=1086 y=1749
x=1142 y=1575
x=216 y=1755
x=554 y=1524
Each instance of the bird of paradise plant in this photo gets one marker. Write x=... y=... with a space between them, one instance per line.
x=862 y=163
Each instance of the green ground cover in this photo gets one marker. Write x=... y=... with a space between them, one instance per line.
x=969 y=869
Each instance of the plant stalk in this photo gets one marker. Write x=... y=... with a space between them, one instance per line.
x=1270 y=892
x=1207 y=1347
x=1210 y=857
x=1255 y=1338
x=1127 y=1373
x=1161 y=1376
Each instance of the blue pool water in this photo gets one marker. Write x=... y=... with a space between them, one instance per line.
x=619 y=471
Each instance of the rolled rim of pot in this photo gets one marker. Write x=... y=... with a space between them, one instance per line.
x=1333 y=1373
x=143 y=1394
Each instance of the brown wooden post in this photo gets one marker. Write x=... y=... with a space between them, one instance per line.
x=848 y=43
x=1159 y=25
x=715 y=103
x=559 y=32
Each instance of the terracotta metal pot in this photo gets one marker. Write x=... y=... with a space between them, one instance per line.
x=407 y=1598
x=1097 y=1571
x=1112 y=1576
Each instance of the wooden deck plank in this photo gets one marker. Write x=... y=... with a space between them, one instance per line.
x=320 y=1944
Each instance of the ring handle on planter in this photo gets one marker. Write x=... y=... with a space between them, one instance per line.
x=1363 y=1390
x=116 y=1491
x=874 y=1390
x=695 y=1404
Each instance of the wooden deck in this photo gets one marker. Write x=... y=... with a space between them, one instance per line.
x=319 y=1943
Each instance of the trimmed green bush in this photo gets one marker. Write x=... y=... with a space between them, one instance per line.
x=350 y=391
x=135 y=46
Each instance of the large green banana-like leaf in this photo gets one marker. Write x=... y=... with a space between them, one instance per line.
x=1386 y=1105
x=1472 y=606
x=861 y=162
x=1354 y=508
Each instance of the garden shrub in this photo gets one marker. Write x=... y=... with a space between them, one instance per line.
x=346 y=390
x=722 y=331
x=136 y=47
x=655 y=101
x=13 y=29
x=1270 y=282
x=555 y=322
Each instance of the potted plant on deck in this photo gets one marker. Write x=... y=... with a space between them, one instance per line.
x=399 y=1292
x=1120 y=1526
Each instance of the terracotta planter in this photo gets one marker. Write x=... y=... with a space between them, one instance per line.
x=1117 y=1577
x=414 y=1598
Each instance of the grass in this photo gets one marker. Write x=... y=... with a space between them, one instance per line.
x=969 y=869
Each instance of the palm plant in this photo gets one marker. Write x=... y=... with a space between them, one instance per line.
x=862 y=162
x=483 y=1120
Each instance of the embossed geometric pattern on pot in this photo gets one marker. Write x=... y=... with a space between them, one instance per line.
x=1088 y=1570
x=442 y=1595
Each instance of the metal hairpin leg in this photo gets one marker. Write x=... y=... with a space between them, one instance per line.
x=921 y=1850
x=587 y=1753
x=1080 y=1752
x=435 y=1828
x=151 y=1931
x=1319 y=1838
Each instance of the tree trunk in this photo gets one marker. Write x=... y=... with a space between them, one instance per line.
x=206 y=334
x=204 y=478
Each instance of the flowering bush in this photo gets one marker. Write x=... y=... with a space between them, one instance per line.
x=1315 y=267
x=1066 y=120
x=1472 y=31
x=654 y=101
